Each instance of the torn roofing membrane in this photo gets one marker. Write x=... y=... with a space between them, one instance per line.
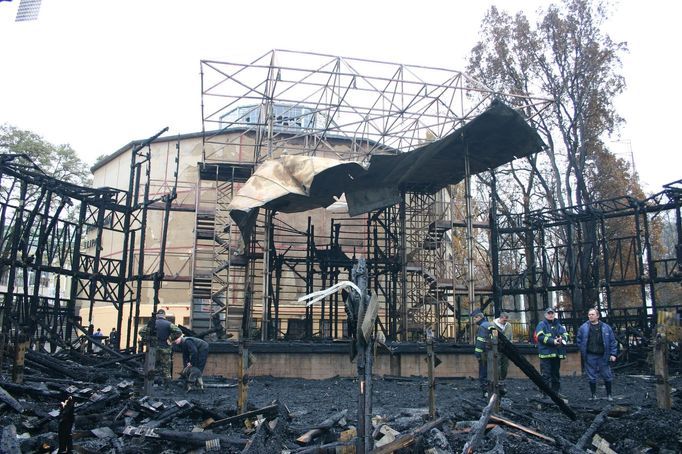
x=291 y=184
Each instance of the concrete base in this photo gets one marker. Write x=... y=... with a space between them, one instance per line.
x=317 y=360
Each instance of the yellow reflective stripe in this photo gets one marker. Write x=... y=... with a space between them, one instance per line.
x=482 y=339
x=551 y=355
x=480 y=350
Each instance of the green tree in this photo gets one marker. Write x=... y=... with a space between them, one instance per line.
x=58 y=161
x=566 y=57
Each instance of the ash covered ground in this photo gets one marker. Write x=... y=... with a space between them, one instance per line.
x=400 y=402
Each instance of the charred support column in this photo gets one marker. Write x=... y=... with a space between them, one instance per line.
x=150 y=356
x=403 y=266
x=470 y=243
x=493 y=368
x=663 y=396
x=364 y=360
x=243 y=386
x=431 y=359
x=19 y=353
x=267 y=252
x=494 y=245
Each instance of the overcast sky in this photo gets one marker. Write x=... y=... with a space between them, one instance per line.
x=98 y=74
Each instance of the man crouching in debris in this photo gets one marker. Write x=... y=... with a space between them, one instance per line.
x=480 y=348
x=194 y=356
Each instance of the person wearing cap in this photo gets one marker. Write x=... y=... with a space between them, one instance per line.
x=480 y=347
x=598 y=347
x=551 y=338
x=163 y=329
x=194 y=356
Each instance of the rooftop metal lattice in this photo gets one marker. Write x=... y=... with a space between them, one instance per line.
x=301 y=102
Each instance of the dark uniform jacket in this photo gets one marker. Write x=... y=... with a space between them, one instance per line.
x=545 y=333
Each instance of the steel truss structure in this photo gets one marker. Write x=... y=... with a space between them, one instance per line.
x=631 y=276
x=419 y=253
x=50 y=237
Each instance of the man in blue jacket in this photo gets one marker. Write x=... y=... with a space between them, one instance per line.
x=598 y=347
x=552 y=339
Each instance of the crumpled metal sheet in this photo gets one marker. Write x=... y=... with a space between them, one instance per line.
x=298 y=183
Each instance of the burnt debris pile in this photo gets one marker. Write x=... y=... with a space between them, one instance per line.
x=96 y=405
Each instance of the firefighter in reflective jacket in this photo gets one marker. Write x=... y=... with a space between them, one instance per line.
x=551 y=338
x=481 y=346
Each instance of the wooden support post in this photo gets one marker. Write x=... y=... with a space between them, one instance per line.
x=243 y=385
x=66 y=419
x=3 y=340
x=149 y=366
x=431 y=358
x=494 y=368
x=478 y=430
x=663 y=395
x=19 y=359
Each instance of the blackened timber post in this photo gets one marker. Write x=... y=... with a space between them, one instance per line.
x=431 y=361
x=641 y=278
x=403 y=265
x=494 y=246
x=364 y=359
x=143 y=236
x=95 y=279
x=75 y=272
x=652 y=274
x=606 y=261
x=267 y=276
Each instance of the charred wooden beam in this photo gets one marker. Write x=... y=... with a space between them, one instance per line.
x=32 y=390
x=527 y=368
x=121 y=360
x=522 y=428
x=11 y=401
x=409 y=439
x=45 y=361
x=66 y=418
x=178 y=410
x=596 y=423
x=322 y=427
x=202 y=439
x=478 y=431
x=269 y=411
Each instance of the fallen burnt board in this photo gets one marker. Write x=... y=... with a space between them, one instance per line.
x=112 y=416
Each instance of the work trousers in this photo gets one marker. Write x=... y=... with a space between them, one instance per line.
x=504 y=365
x=483 y=371
x=550 y=369
x=163 y=362
x=597 y=366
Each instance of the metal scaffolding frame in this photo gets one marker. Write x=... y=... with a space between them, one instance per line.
x=287 y=102
x=52 y=230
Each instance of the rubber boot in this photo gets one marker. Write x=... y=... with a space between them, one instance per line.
x=593 y=390
x=608 y=391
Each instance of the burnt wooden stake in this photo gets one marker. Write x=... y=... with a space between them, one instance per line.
x=408 y=439
x=324 y=425
x=243 y=378
x=66 y=418
x=478 y=430
x=663 y=396
x=494 y=367
x=19 y=359
x=432 y=379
